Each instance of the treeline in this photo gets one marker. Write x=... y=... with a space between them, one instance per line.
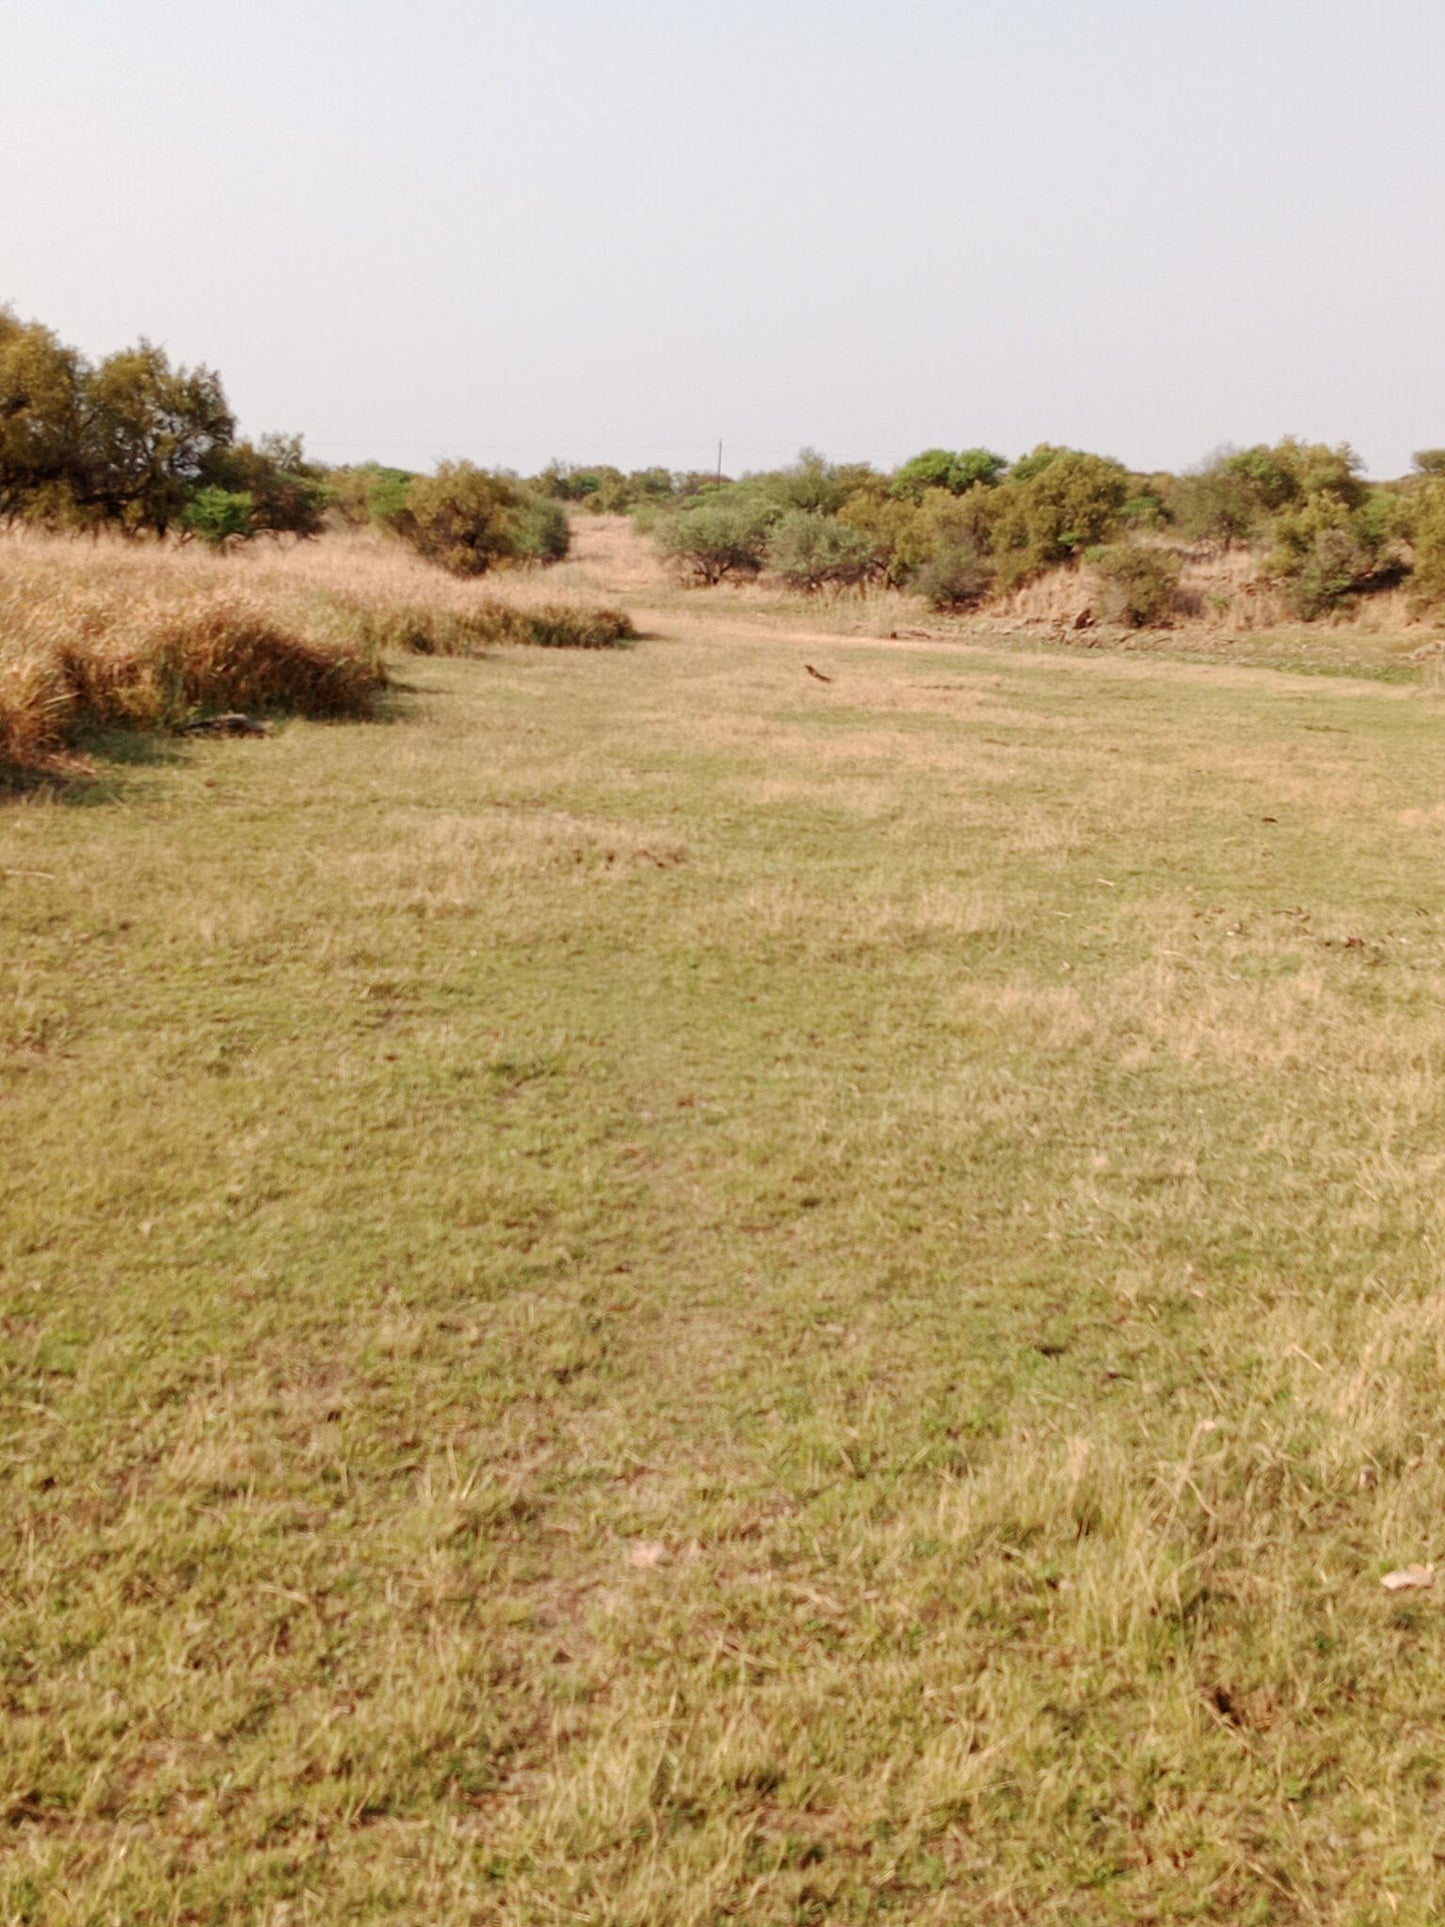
x=959 y=525
x=135 y=444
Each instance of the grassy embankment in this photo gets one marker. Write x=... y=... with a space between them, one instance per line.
x=666 y=1293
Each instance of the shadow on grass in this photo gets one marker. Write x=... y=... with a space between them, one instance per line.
x=94 y=768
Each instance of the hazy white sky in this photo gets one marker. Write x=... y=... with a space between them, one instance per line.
x=619 y=230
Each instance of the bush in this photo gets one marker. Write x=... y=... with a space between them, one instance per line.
x=808 y=549
x=1427 y=580
x=941 y=468
x=439 y=629
x=723 y=533
x=367 y=493
x=1054 y=503
x=219 y=516
x=1135 y=587
x=287 y=493
x=956 y=574
x=1324 y=553
x=468 y=520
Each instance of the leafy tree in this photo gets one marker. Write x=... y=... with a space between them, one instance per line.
x=813 y=482
x=893 y=530
x=719 y=534
x=41 y=413
x=941 y=468
x=1054 y=503
x=1324 y=552
x=808 y=548
x=1429 y=461
x=288 y=494
x=366 y=493
x=148 y=434
x=1235 y=496
x=1427 y=535
x=470 y=520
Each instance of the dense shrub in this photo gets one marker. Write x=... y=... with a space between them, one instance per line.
x=1135 y=586
x=1327 y=550
x=469 y=520
x=287 y=493
x=956 y=574
x=1054 y=503
x=220 y=516
x=942 y=468
x=720 y=534
x=440 y=629
x=1235 y=496
x=895 y=536
x=1427 y=534
x=366 y=494
x=809 y=549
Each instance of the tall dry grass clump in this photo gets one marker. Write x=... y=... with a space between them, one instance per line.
x=101 y=636
x=434 y=628
x=162 y=664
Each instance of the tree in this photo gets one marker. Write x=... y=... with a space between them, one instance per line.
x=149 y=431
x=288 y=494
x=808 y=549
x=722 y=533
x=469 y=520
x=1055 y=502
x=40 y=422
x=1427 y=534
x=941 y=468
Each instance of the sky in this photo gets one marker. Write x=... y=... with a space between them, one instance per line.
x=623 y=230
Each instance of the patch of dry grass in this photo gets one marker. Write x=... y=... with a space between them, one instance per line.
x=98 y=635
x=101 y=637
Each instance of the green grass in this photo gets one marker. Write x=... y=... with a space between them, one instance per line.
x=657 y=1293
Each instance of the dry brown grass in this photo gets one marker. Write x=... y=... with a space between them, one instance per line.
x=111 y=634
x=100 y=636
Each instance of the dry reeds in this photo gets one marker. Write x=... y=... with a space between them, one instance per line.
x=440 y=629
x=93 y=637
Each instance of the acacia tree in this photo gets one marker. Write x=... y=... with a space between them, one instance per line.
x=41 y=384
x=720 y=534
x=148 y=434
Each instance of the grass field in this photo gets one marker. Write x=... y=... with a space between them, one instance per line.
x=659 y=1292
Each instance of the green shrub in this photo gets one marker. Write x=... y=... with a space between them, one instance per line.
x=366 y=493
x=892 y=530
x=1236 y=495
x=287 y=493
x=219 y=516
x=956 y=574
x=1135 y=586
x=468 y=520
x=540 y=532
x=942 y=468
x=1427 y=534
x=1324 y=553
x=720 y=534
x=1054 y=503
x=809 y=549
